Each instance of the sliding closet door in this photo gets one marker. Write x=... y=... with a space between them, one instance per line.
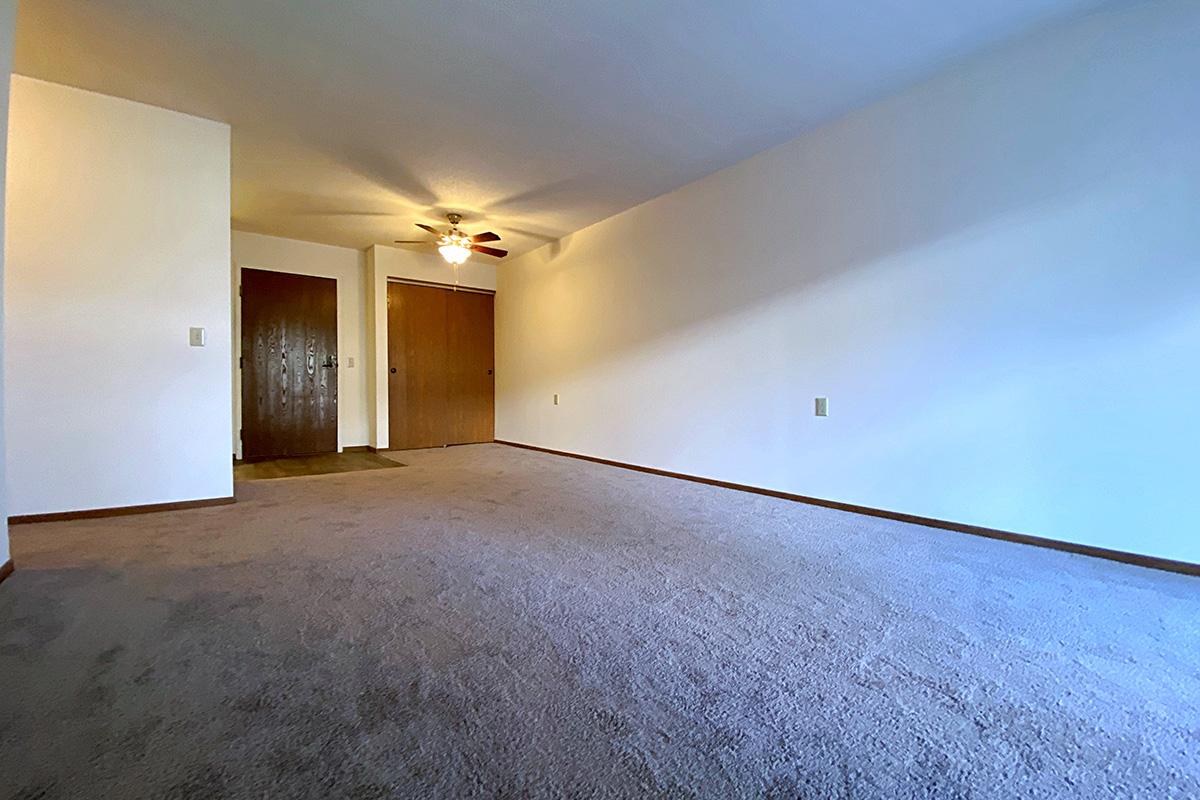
x=417 y=366
x=440 y=364
x=470 y=397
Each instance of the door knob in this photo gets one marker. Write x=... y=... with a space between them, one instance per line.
x=392 y=370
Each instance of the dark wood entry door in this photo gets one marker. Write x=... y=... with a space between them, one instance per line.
x=441 y=355
x=289 y=364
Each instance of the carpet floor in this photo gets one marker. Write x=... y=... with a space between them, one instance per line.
x=492 y=622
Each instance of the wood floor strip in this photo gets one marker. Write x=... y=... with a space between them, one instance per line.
x=301 y=466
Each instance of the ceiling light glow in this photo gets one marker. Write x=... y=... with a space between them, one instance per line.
x=455 y=249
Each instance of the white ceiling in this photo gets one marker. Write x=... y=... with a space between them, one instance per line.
x=353 y=119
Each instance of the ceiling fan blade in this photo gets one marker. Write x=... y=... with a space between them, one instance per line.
x=429 y=228
x=413 y=241
x=485 y=237
x=489 y=251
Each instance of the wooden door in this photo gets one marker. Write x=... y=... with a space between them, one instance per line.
x=470 y=399
x=440 y=364
x=417 y=366
x=289 y=364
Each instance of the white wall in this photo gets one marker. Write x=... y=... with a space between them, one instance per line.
x=8 y=19
x=348 y=268
x=118 y=241
x=994 y=277
x=392 y=262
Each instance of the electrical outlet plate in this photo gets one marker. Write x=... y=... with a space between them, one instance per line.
x=821 y=407
x=556 y=399
x=196 y=337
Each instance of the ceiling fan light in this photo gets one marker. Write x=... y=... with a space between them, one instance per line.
x=454 y=253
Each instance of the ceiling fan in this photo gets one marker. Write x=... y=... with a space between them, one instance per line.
x=456 y=246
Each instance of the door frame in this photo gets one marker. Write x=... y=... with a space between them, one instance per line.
x=436 y=285
x=237 y=346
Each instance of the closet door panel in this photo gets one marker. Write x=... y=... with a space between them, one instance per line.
x=471 y=396
x=418 y=367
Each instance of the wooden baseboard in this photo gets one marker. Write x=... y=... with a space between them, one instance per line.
x=6 y=569
x=1151 y=562
x=119 y=511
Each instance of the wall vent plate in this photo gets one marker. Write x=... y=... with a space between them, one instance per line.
x=821 y=407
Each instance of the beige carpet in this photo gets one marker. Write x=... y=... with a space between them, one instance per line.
x=492 y=622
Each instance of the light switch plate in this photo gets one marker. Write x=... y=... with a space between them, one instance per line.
x=556 y=399
x=822 y=407
x=196 y=337
x=350 y=362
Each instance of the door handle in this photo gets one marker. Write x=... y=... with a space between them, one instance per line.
x=330 y=363
x=392 y=370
